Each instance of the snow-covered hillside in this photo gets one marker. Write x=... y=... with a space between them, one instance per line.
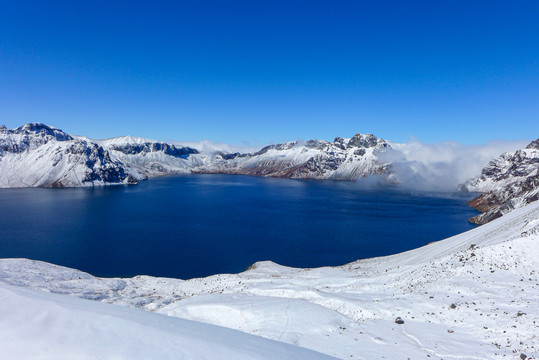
x=471 y=296
x=39 y=155
x=36 y=325
x=507 y=183
x=149 y=158
x=342 y=159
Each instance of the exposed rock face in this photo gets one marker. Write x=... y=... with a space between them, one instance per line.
x=39 y=155
x=147 y=147
x=29 y=137
x=343 y=159
x=507 y=183
x=147 y=158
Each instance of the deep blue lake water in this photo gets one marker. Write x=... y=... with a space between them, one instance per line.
x=198 y=225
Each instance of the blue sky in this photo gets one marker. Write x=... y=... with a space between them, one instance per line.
x=268 y=71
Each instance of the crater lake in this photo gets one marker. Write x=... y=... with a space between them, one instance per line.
x=198 y=225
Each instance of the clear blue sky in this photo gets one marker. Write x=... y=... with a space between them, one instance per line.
x=267 y=71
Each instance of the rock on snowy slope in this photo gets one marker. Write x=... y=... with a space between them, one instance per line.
x=507 y=183
x=36 y=325
x=342 y=159
x=39 y=155
x=152 y=158
x=471 y=296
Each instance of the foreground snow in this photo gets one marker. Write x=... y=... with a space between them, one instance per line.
x=47 y=326
x=472 y=296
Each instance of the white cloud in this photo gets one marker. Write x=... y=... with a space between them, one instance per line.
x=443 y=166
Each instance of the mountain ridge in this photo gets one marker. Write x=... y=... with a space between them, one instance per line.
x=506 y=183
x=38 y=155
x=134 y=159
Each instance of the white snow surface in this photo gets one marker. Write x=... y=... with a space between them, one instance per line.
x=471 y=296
x=37 y=325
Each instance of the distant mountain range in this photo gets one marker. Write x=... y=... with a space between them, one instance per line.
x=38 y=155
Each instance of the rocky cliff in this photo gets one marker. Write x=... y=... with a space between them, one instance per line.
x=40 y=155
x=148 y=158
x=509 y=182
x=342 y=159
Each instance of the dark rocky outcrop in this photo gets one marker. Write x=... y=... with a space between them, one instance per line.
x=507 y=183
x=147 y=147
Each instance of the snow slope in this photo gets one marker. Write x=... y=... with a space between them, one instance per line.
x=36 y=325
x=509 y=182
x=471 y=296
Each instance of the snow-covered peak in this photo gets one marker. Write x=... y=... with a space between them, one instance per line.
x=508 y=182
x=127 y=140
x=534 y=145
x=29 y=136
x=361 y=141
x=134 y=145
x=343 y=159
x=42 y=130
x=40 y=155
x=148 y=157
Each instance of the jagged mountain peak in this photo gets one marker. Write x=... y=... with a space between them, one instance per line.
x=361 y=141
x=36 y=154
x=127 y=140
x=43 y=130
x=506 y=183
x=533 y=145
x=343 y=159
x=130 y=145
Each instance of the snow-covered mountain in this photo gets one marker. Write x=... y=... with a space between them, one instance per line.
x=148 y=158
x=40 y=155
x=507 y=183
x=471 y=296
x=342 y=159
